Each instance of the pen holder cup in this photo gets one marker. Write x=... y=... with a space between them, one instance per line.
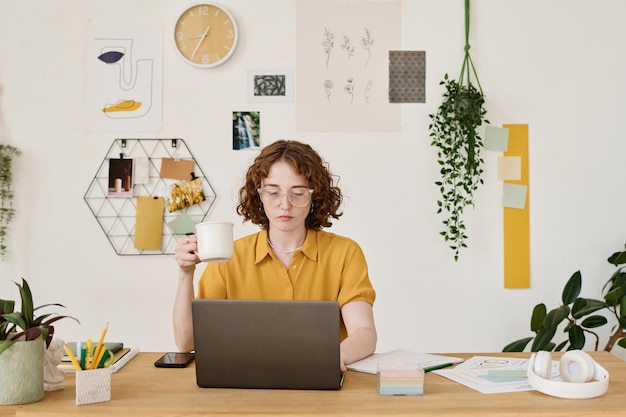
x=93 y=386
x=407 y=379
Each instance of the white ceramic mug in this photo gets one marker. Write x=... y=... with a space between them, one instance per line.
x=215 y=241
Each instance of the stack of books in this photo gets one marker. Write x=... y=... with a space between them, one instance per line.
x=122 y=355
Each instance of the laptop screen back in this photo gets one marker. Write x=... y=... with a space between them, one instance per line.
x=267 y=344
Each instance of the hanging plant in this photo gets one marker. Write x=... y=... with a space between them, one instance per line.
x=453 y=131
x=6 y=193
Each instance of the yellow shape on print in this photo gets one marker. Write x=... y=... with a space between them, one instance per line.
x=517 y=220
x=123 y=105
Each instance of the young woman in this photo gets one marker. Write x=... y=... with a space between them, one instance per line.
x=290 y=193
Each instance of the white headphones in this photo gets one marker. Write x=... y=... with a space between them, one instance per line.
x=577 y=369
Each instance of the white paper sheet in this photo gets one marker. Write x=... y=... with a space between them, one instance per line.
x=474 y=373
x=399 y=358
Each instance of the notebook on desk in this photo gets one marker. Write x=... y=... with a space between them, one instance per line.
x=273 y=344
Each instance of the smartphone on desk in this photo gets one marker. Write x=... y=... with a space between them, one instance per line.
x=174 y=360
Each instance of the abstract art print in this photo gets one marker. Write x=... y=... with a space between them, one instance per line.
x=270 y=86
x=123 y=79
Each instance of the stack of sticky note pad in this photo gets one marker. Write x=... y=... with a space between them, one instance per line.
x=405 y=380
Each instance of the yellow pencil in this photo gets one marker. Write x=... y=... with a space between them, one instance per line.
x=94 y=362
x=88 y=358
x=72 y=357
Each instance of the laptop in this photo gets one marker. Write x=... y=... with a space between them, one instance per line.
x=271 y=344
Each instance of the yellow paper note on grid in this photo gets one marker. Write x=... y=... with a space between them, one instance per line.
x=517 y=214
x=149 y=223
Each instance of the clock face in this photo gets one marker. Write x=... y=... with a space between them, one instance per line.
x=205 y=35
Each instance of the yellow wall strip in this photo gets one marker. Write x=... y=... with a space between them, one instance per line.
x=517 y=220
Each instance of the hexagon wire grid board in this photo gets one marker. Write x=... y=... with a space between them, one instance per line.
x=117 y=215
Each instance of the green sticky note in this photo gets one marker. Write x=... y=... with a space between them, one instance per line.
x=514 y=196
x=496 y=138
x=182 y=225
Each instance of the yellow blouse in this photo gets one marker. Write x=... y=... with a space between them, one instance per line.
x=328 y=267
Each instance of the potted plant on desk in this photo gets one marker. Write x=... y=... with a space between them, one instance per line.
x=22 y=338
x=579 y=315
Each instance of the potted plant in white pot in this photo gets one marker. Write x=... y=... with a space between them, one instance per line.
x=23 y=340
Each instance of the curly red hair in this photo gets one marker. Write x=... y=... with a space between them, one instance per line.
x=326 y=198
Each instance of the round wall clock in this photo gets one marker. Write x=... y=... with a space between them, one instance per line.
x=205 y=35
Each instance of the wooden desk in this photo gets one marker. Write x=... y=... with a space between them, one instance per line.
x=140 y=389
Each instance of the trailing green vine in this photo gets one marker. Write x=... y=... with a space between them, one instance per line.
x=6 y=193
x=453 y=131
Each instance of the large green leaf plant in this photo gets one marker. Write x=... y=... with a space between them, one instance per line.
x=579 y=315
x=25 y=325
x=454 y=131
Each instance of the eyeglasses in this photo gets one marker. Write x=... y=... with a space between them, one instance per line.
x=298 y=197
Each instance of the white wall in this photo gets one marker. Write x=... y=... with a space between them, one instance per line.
x=557 y=65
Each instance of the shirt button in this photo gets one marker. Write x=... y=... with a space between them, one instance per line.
x=293 y=267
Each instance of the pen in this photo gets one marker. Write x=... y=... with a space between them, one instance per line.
x=434 y=368
x=96 y=354
x=83 y=357
x=72 y=357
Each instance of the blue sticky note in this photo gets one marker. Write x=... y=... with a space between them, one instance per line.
x=514 y=195
x=497 y=138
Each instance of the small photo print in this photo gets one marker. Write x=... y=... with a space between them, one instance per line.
x=246 y=130
x=270 y=85
x=120 y=177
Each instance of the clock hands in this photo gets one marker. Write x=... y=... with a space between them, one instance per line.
x=204 y=35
